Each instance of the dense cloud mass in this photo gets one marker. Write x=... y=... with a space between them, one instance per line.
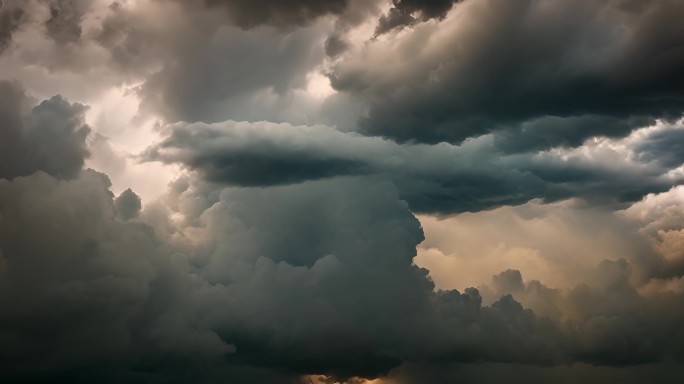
x=509 y=65
x=245 y=279
x=442 y=178
x=48 y=137
x=62 y=19
x=402 y=13
x=11 y=16
x=414 y=191
x=83 y=289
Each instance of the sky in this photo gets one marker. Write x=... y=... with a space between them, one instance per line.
x=341 y=191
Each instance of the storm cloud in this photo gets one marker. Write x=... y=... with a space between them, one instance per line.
x=242 y=279
x=48 y=137
x=403 y=13
x=323 y=192
x=432 y=178
x=593 y=67
x=11 y=16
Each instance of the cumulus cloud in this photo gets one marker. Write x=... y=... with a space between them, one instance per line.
x=285 y=268
x=11 y=16
x=127 y=205
x=50 y=136
x=665 y=147
x=61 y=19
x=261 y=286
x=243 y=278
x=66 y=17
x=610 y=307
x=83 y=291
x=403 y=13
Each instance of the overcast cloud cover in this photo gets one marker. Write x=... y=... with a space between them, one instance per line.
x=341 y=191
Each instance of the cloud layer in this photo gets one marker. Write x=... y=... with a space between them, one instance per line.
x=432 y=178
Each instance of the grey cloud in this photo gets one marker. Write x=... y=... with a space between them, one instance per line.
x=554 y=131
x=405 y=13
x=665 y=147
x=283 y=268
x=223 y=78
x=288 y=250
x=300 y=260
x=335 y=45
x=263 y=289
x=258 y=153
x=358 y=12
x=431 y=178
x=609 y=308
x=127 y=205
x=11 y=17
x=215 y=283
x=64 y=24
x=490 y=66
x=47 y=137
x=83 y=292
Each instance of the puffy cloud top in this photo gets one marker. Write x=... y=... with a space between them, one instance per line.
x=49 y=137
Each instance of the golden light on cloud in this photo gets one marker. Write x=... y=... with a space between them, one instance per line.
x=320 y=379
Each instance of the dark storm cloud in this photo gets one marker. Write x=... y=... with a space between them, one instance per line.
x=440 y=179
x=334 y=46
x=196 y=65
x=405 y=13
x=48 y=137
x=254 y=154
x=285 y=268
x=264 y=287
x=491 y=66
x=64 y=24
x=609 y=307
x=289 y=250
x=82 y=291
x=289 y=276
x=127 y=205
x=665 y=147
x=554 y=131
x=246 y=284
x=11 y=16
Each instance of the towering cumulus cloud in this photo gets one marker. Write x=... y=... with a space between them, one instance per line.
x=341 y=191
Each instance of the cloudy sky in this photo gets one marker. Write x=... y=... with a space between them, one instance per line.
x=341 y=191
